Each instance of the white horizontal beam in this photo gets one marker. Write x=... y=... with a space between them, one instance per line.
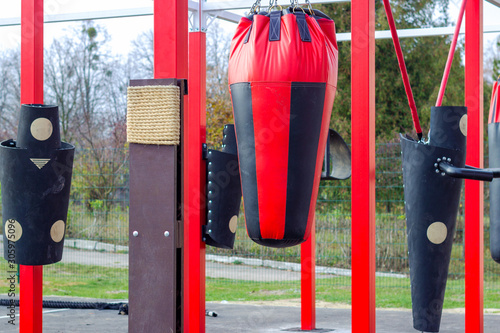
x=116 y=13
x=494 y=2
x=225 y=15
x=210 y=9
x=98 y=15
x=422 y=32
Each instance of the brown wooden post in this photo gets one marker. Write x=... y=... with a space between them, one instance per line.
x=155 y=257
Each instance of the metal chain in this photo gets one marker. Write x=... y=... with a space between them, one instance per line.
x=272 y=4
x=310 y=7
x=255 y=7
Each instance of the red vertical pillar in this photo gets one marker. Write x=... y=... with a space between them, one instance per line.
x=194 y=134
x=170 y=39
x=31 y=277
x=474 y=245
x=308 y=281
x=171 y=61
x=363 y=165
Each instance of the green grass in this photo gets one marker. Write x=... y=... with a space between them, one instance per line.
x=390 y=292
x=78 y=281
x=112 y=283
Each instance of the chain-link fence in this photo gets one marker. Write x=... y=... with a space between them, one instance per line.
x=97 y=232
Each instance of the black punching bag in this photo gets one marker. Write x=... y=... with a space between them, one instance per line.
x=431 y=205
x=494 y=157
x=223 y=193
x=36 y=179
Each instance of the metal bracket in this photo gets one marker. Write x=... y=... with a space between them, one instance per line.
x=468 y=172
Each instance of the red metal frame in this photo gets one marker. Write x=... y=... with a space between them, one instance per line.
x=308 y=281
x=474 y=245
x=194 y=131
x=31 y=277
x=171 y=60
x=363 y=165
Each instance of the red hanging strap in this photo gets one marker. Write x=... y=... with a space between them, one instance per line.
x=453 y=46
x=402 y=67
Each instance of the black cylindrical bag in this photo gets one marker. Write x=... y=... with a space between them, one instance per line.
x=36 y=179
x=223 y=192
x=431 y=204
x=494 y=158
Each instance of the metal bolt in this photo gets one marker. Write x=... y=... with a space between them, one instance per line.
x=442 y=174
x=166 y=233
x=209 y=231
x=135 y=233
x=449 y=159
x=209 y=221
x=437 y=170
x=439 y=160
x=435 y=165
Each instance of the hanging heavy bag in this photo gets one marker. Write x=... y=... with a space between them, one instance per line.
x=494 y=161
x=282 y=78
x=431 y=205
x=35 y=172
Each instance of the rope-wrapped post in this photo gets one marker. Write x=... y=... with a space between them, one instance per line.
x=153 y=115
x=154 y=109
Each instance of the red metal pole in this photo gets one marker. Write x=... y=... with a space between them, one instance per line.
x=308 y=282
x=170 y=39
x=194 y=132
x=451 y=54
x=474 y=246
x=363 y=165
x=402 y=68
x=31 y=277
x=171 y=61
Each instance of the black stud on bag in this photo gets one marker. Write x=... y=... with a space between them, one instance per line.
x=35 y=173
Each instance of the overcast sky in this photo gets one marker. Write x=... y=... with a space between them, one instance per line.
x=124 y=30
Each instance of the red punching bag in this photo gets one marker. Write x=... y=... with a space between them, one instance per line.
x=282 y=78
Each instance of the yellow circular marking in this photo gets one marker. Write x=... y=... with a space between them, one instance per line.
x=57 y=231
x=437 y=232
x=13 y=230
x=463 y=125
x=41 y=129
x=233 y=223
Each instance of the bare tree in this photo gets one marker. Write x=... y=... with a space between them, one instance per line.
x=10 y=93
x=89 y=85
x=218 y=44
x=141 y=58
x=218 y=100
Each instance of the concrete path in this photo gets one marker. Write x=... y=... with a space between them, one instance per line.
x=243 y=318
x=100 y=254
